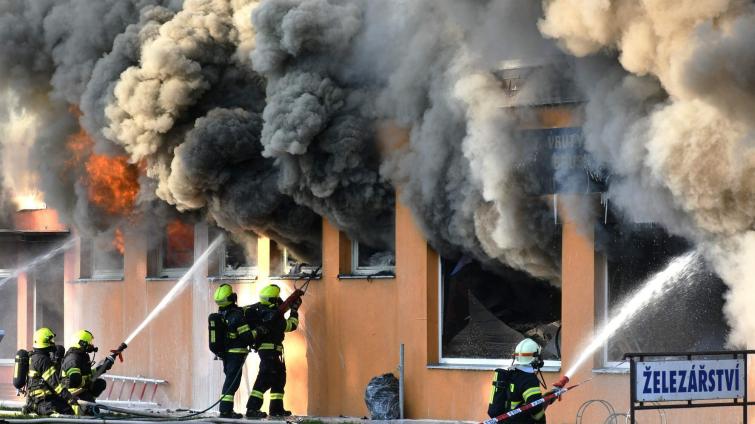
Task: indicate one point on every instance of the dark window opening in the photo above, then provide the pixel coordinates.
(237, 257)
(486, 314)
(634, 253)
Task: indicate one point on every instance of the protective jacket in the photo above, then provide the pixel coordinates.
(239, 334)
(272, 371)
(513, 388)
(276, 324)
(76, 371)
(46, 393)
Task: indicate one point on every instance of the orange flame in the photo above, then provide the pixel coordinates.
(118, 242)
(112, 183)
(180, 244)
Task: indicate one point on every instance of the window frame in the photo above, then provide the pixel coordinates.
(100, 274)
(242, 272)
(366, 270)
(549, 365)
(4, 272)
(603, 315)
(162, 271)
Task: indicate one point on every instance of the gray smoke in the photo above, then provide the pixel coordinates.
(335, 66)
(48, 52)
(675, 125)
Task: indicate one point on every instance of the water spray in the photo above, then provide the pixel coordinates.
(40, 260)
(677, 272)
(177, 288)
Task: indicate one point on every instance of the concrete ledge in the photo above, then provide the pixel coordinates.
(478, 367)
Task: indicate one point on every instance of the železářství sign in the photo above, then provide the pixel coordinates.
(659, 381)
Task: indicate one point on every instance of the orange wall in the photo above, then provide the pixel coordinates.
(350, 331)
(112, 309)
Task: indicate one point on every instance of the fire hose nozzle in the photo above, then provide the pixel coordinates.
(561, 382)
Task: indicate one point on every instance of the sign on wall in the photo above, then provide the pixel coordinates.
(658, 381)
(554, 160)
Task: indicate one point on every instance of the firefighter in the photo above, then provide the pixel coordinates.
(237, 337)
(519, 385)
(76, 368)
(45, 391)
(272, 370)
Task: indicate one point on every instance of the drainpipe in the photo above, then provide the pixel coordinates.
(401, 381)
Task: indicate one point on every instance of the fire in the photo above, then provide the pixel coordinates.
(30, 201)
(112, 182)
(180, 244)
(118, 242)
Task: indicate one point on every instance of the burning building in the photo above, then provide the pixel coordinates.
(465, 173)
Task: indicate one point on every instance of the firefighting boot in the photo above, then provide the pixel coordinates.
(252, 413)
(276, 406)
(232, 415)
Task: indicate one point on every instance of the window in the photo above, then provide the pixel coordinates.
(8, 318)
(284, 264)
(237, 258)
(102, 257)
(485, 314)
(48, 294)
(630, 255)
(177, 250)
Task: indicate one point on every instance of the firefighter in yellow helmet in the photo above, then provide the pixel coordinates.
(77, 368)
(272, 371)
(519, 385)
(45, 391)
(230, 339)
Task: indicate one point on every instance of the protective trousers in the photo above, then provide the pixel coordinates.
(95, 389)
(233, 363)
(272, 376)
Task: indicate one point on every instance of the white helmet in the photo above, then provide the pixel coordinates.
(526, 352)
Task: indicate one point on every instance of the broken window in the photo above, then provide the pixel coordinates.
(278, 259)
(630, 255)
(284, 264)
(237, 258)
(485, 313)
(177, 249)
(101, 257)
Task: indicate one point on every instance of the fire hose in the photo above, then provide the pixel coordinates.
(107, 363)
(298, 293)
(558, 390)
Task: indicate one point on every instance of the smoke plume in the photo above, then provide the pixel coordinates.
(674, 126)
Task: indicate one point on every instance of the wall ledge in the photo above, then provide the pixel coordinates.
(479, 367)
(611, 370)
(97, 280)
(366, 277)
(230, 279)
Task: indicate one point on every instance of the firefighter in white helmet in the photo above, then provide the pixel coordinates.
(519, 385)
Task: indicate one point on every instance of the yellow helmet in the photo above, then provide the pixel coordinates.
(269, 294)
(83, 339)
(224, 295)
(43, 338)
